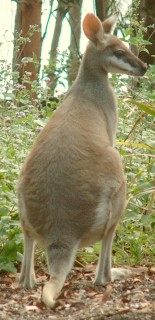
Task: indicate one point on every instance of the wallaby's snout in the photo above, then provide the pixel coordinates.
(139, 67)
(72, 189)
(144, 68)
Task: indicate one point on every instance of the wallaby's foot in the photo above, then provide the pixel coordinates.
(28, 283)
(49, 295)
(100, 280)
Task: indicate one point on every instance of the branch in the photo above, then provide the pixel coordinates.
(47, 23)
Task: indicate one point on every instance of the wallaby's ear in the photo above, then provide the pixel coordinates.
(92, 27)
(110, 22)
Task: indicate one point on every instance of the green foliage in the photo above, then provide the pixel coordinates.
(55, 72)
(20, 123)
(19, 127)
(141, 106)
(135, 236)
(135, 28)
(61, 69)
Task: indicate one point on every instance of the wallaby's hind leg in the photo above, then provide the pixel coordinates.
(103, 273)
(60, 261)
(27, 277)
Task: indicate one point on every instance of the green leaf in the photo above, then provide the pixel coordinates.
(148, 109)
(40, 122)
(136, 144)
(10, 251)
(7, 267)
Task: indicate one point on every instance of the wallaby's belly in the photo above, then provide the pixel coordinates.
(88, 225)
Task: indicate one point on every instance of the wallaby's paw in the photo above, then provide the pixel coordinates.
(120, 273)
(48, 295)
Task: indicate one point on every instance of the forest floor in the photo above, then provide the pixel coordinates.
(132, 299)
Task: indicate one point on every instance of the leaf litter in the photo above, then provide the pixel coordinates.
(131, 298)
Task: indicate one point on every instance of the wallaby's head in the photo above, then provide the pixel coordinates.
(113, 54)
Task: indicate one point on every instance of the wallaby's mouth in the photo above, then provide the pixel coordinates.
(139, 73)
(135, 72)
(141, 69)
(138, 69)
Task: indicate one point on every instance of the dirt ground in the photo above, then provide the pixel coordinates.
(132, 299)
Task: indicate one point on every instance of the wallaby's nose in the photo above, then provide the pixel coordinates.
(144, 68)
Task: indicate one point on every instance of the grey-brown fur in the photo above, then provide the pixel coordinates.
(72, 186)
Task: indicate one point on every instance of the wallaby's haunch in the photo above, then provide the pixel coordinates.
(72, 186)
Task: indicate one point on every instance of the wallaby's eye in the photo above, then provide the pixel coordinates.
(119, 53)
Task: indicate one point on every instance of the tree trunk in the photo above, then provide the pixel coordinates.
(17, 32)
(54, 46)
(30, 16)
(47, 23)
(102, 7)
(147, 12)
(75, 24)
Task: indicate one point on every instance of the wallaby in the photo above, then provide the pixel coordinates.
(72, 189)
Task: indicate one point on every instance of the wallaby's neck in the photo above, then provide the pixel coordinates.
(91, 74)
(92, 83)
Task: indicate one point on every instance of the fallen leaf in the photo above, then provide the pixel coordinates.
(136, 280)
(31, 308)
(107, 293)
(90, 267)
